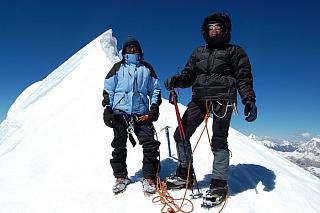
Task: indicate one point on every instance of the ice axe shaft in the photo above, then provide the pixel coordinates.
(168, 139)
(166, 128)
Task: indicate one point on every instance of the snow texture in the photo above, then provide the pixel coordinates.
(55, 151)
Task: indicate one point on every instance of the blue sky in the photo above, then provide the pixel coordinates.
(280, 37)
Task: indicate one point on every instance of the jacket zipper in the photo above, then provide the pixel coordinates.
(208, 71)
(119, 101)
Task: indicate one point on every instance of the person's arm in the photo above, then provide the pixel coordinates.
(243, 74)
(154, 88)
(187, 76)
(110, 83)
(244, 79)
(154, 93)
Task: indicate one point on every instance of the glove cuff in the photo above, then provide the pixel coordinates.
(249, 97)
(252, 100)
(153, 105)
(108, 108)
(249, 100)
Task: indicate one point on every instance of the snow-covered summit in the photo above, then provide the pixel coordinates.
(276, 144)
(317, 139)
(312, 146)
(305, 154)
(61, 92)
(55, 151)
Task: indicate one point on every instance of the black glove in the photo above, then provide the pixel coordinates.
(154, 112)
(108, 117)
(172, 82)
(250, 111)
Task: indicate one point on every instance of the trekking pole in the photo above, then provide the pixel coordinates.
(173, 99)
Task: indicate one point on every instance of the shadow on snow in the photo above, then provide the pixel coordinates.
(242, 177)
(168, 167)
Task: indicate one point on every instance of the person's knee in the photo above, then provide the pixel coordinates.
(219, 144)
(151, 144)
(177, 136)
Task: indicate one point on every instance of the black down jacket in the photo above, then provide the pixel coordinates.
(218, 70)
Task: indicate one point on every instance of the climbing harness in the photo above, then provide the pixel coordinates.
(131, 121)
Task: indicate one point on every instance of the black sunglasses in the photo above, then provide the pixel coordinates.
(130, 49)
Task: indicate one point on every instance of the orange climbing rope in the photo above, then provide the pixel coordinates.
(177, 205)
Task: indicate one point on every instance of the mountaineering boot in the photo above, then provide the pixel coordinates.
(216, 194)
(120, 185)
(148, 186)
(179, 180)
(176, 182)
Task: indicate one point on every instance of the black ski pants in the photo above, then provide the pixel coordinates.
(145, 134)
(191, 119)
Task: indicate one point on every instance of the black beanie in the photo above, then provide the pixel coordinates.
(131, 41)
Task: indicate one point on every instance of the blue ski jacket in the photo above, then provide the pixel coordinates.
(131, 88)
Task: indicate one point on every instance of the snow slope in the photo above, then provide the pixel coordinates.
(55, 151)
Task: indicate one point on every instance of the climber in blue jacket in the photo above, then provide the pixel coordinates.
(131, 98)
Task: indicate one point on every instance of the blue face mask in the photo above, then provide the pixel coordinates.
(132, 58)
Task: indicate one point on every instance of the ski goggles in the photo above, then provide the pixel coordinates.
(215, 26)
(130, 49)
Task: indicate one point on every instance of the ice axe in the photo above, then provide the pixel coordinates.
(174, 99)
(166, 128)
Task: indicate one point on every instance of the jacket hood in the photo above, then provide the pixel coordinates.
(224, 37)
(129, 41)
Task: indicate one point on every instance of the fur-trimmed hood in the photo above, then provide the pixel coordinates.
(224, 37)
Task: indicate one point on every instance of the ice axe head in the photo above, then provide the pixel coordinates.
(172, 96)
(165, 128)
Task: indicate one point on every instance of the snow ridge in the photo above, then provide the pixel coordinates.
(17, 116)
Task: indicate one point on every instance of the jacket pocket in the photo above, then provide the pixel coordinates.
(144, 101)
(118, 99)
(232, 87)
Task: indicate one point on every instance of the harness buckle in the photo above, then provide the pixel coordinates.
(235, 109)
(131, 124)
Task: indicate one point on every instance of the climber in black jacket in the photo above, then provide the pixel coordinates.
(216, 72)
